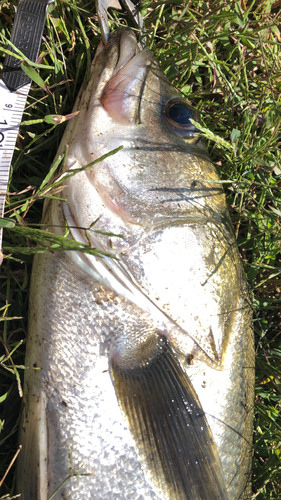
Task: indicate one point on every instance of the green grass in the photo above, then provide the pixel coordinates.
(225, 59)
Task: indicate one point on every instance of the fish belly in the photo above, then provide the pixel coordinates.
(74, 433)
(193, 272)
(72, 424)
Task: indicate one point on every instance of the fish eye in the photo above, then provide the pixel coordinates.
(178, 114)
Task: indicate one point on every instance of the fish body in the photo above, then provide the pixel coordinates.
(145, 386)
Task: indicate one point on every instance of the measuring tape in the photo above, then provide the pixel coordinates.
(15, 84)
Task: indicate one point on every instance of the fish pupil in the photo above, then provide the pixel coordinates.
(180, 114)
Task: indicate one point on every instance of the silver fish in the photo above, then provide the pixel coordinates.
(145, 387)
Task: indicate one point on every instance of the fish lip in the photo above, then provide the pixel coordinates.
(127, 46)
(122, 92)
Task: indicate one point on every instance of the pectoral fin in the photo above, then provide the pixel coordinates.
(168, 424)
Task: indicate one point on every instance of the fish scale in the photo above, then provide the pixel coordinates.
(85, 397)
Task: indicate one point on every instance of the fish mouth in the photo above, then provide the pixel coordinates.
(122, 94)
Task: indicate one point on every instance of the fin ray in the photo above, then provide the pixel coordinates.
(169, 426)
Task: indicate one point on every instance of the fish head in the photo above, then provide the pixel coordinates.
(163, 170)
